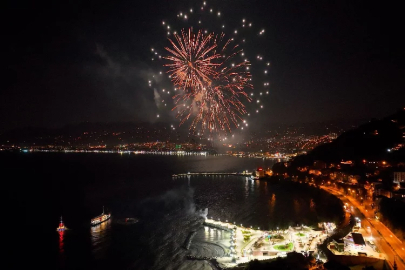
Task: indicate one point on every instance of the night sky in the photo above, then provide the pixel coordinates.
(88, 60)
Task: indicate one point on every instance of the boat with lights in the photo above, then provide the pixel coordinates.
(61, 227)
(100, 219)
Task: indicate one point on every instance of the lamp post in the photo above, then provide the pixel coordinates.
(395, 263)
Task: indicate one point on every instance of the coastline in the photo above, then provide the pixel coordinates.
(238, 258)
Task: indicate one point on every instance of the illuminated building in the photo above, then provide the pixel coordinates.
(260, 172)
(399, 177)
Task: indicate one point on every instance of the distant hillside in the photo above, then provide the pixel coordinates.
(370, 141)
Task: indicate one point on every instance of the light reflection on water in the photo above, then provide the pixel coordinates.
(251, 202)
(61, 243)
(100, 238)
(100, 231)
(213, 235)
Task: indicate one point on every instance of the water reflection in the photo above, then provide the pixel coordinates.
(62, 254)
(61, 243)
(246, 187)
(257, 203)
(312, 205)
(213, 235)
(100, 232)
(272, 203)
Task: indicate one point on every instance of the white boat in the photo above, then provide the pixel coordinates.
(100, 219)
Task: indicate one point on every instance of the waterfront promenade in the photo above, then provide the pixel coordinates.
(248, 244)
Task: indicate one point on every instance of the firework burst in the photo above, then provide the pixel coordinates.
(208, 75)
(211, 86)
(192, 60)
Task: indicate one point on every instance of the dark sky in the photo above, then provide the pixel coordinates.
(88, 60)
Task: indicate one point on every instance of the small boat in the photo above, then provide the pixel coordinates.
(61, 226)
(127, 221)
(131, 220)
(100, 219)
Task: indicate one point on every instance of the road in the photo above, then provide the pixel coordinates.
(385, 240)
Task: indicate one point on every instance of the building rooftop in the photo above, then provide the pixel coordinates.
(358, 239)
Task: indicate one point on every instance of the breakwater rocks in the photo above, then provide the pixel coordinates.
(189, 239)
(211, 260)
(199, 258)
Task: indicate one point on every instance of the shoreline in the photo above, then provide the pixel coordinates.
(140, 152)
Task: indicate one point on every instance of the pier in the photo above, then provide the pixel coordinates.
(247, 174)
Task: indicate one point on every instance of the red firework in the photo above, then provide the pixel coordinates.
(210, 85)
